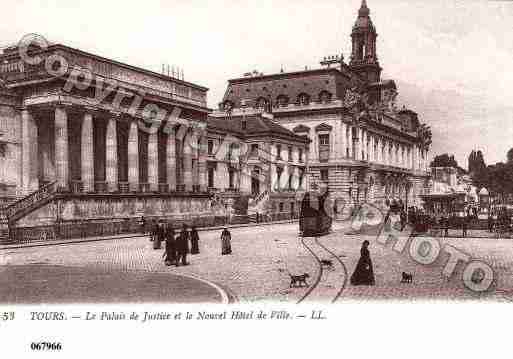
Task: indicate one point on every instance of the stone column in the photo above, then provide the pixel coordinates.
(171, 158)
(111, 155)
(202, 163)
(61, 148)
(187, 158)
(29, 152)
(45, 136)
(273, 177)
(343, 140)
(349, 140)
(133, 156)
(86, 154)
(153, 161)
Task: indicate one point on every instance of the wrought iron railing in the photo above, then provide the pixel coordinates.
(33, 198)
(77, 186)
(144, 187)
(163, 187)
(124, 187)
(100, 187)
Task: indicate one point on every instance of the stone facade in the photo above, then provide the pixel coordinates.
(257, 158)
(363, 148)
(103, 134)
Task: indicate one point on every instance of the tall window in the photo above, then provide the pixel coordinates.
(279, 172)
(278, 152)
(290, 154)
(254, 150)
(210, 148)
(324, 147)
(211, 177)
(290, 182)
(324, 139)
(231, 178)
(300, 155)
(324, 175)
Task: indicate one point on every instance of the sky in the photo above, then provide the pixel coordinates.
(452, 60)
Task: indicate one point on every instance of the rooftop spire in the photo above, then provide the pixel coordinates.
(364, 10)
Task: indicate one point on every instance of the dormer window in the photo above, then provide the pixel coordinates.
(261, 102)
(282, 100)
(325, 97)
(303, 99)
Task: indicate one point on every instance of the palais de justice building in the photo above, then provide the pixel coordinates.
(89, 159)
(362, 147)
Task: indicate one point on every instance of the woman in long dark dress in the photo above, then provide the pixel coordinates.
(170, 252)
(194, 241)
(226, 242)
(363, 274)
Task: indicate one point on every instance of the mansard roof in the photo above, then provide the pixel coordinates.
(256, 125)
(289, 85)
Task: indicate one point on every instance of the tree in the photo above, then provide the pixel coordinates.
(510, 156)
(444, 161)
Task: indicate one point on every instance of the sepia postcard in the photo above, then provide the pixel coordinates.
(195, 177)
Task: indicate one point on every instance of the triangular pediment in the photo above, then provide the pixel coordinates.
(301, 129)
(323, 127)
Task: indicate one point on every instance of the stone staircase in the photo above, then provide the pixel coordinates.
(258, 203)
(23, 206)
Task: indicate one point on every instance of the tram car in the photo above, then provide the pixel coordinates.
(313, 220)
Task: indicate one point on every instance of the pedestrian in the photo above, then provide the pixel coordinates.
(159, 235)
(226, 242)
(170, 251)
(194, 240)
(403, 219)
(445, 225)
(144, 230)
(464, 225)
(363, 273)
(182, 246)
(153, 230)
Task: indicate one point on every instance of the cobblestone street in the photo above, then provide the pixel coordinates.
(129, 270)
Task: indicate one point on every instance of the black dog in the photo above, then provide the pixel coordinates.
(407, 278)
(327, 263)
(298, 280)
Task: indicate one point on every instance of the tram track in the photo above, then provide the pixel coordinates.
(337, 258)
(319, 276)
(329, 279)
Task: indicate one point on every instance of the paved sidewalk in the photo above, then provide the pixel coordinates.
(128, 235)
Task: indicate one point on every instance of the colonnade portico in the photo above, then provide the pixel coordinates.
(87, 150)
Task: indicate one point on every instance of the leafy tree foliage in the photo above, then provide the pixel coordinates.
(444, 161)
(497, 178)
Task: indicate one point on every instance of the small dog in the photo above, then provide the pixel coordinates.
(298, 280)
(407, 278)
(327, 263)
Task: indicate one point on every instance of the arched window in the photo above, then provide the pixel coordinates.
(282, 100)
(303, 99)
(325, 97)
